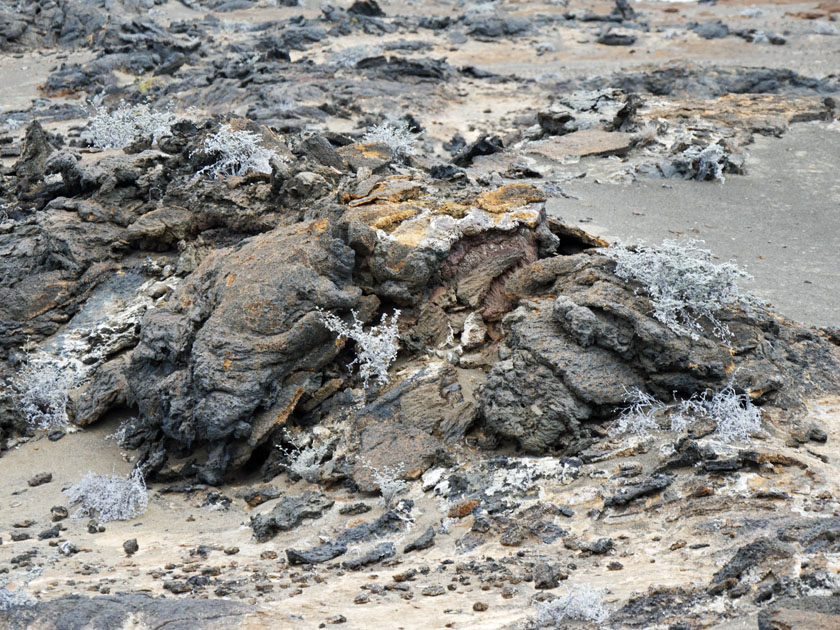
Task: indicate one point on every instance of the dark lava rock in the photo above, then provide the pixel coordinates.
(388, 523)
(608, 109)
(546, 576)
(651, 485)
(399, 67)
(289, 513)
(17, 536)
(40, 479)
(52, 532)
(756, 36)
(426, 540)
(381, 552)
(177, 587)
(131, 547)
(576, 353)
(752, 555)
(485, 145)
(261, 495)
(445, 171)
(113, 611)
(623, 10)
(513, 536)
(616, 39)
(218, 352)
(490, 28)
(319, 149)
(815, 434)
(658, 603)
(93, 527)
(354, 509)
(368, 8)
(316, 555)
(816, 535)
(701, 81)
(711, 30)
(599, 547)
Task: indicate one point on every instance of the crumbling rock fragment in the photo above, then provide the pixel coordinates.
(752, 555)
(316, 555)
(289, 513)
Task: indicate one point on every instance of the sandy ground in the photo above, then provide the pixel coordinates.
(175, 524)
(780, 221)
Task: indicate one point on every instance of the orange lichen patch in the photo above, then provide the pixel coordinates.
(274, 418)
(370, 154)
(507, 198)
(412, 233)
(527, 217)
(373, 150)
(393, 189)
(463, 508)
(386, 216)
(453, 209)
(231, 278)
(227, 363)
(315, 227)
(777, 459)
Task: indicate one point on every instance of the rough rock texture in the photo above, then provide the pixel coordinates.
(289, 513)
(105, 612)
(571, 359)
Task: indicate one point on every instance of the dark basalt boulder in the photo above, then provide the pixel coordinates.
(242, 333)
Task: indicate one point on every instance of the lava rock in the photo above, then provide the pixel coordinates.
(381, 552)
(131, 547)
(289, 513)
(651, 485)
(752, 555)
(611, 38)
(316, 555)
(40, 479)
(425, 541)
(485, 145)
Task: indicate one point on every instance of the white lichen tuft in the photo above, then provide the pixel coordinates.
(396, 135)
(639, 416)
(376, 348)
(304, 462)
(237, 153)
(109, 497)
(42, 385)
(708, 162)
(684, 283)
(581, 603)
(122, 126)
(734, 416)
(388, 480)
(18, 598)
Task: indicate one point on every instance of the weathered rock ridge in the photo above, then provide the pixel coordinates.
(222, 346)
